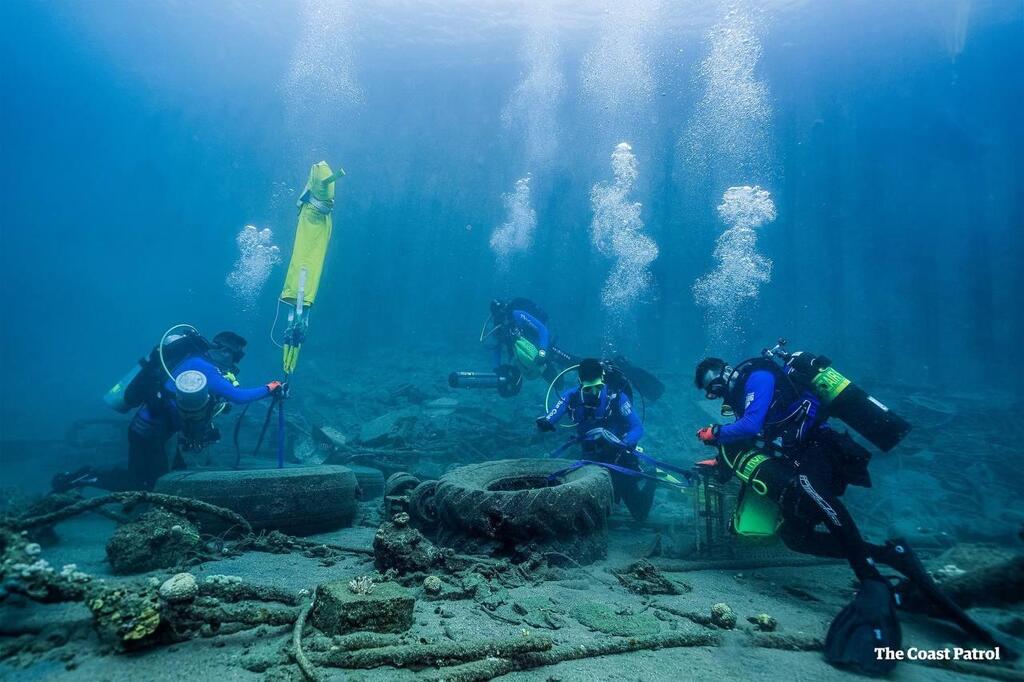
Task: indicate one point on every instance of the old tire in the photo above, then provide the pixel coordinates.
(370, 482)
(295, 500)
(422, 505)
(512, 502)
(400, 483)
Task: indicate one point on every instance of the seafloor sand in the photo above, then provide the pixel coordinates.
(910, 496)
(823, 590)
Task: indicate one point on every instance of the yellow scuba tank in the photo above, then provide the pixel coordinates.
(842, 398)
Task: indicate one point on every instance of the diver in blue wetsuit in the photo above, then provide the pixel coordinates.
(525, 340)
(608, 430)
(781, 440)
(159, 418)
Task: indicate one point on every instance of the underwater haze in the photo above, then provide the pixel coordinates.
(140, 138)
(666, 179)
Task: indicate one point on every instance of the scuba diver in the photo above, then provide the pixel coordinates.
(181, 400)
(523, 332)
(608, 430)
(782, 449)
(518, 328)
(524, 350)
(524, 340)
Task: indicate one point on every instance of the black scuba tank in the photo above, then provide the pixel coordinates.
(506, 379)
(147, 382)
(842, 398)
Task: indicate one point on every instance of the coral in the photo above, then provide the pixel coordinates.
(722, 615)
(181, 587)
(361, 585)
(23, 572)
(763, 622)
(432, 584)
(126, 617)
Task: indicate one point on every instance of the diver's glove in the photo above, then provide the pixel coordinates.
(278, 388)
(709, 435)
(544, 425)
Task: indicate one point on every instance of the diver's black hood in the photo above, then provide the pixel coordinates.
(226, 351)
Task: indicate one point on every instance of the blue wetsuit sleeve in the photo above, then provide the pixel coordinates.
(560, 408)
(635, 429)
(525, 319)
(218, 385)
(757, 396)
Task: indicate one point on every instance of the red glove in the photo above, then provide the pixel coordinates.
(708, 435)
(275, 387)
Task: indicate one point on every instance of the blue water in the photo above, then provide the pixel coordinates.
(138, 139)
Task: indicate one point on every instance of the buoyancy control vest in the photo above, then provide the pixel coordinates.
(794, 412)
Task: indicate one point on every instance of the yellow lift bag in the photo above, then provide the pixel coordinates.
(312, 236)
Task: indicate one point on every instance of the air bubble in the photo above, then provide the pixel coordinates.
(257, 256)
(515, 235)
(741, 270)
(617, 232)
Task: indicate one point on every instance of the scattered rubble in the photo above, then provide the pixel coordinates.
(157, 539)
(643, 577)
(339, 610)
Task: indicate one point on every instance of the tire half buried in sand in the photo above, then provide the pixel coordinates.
(299, 500)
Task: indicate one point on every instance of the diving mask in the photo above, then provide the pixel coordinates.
(592, 388)
(716, 387)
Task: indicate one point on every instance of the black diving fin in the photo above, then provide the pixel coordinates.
(649, 385)
(900, 556)
(869, 622)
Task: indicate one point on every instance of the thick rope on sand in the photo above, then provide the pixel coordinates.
(172, 502)
(300, 657)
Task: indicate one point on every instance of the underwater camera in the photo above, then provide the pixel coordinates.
(843, 399)
(506, 379)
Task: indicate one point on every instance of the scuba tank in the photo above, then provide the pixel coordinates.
(196, 410)
(841, 397)
(115, 397)
(144, 380)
